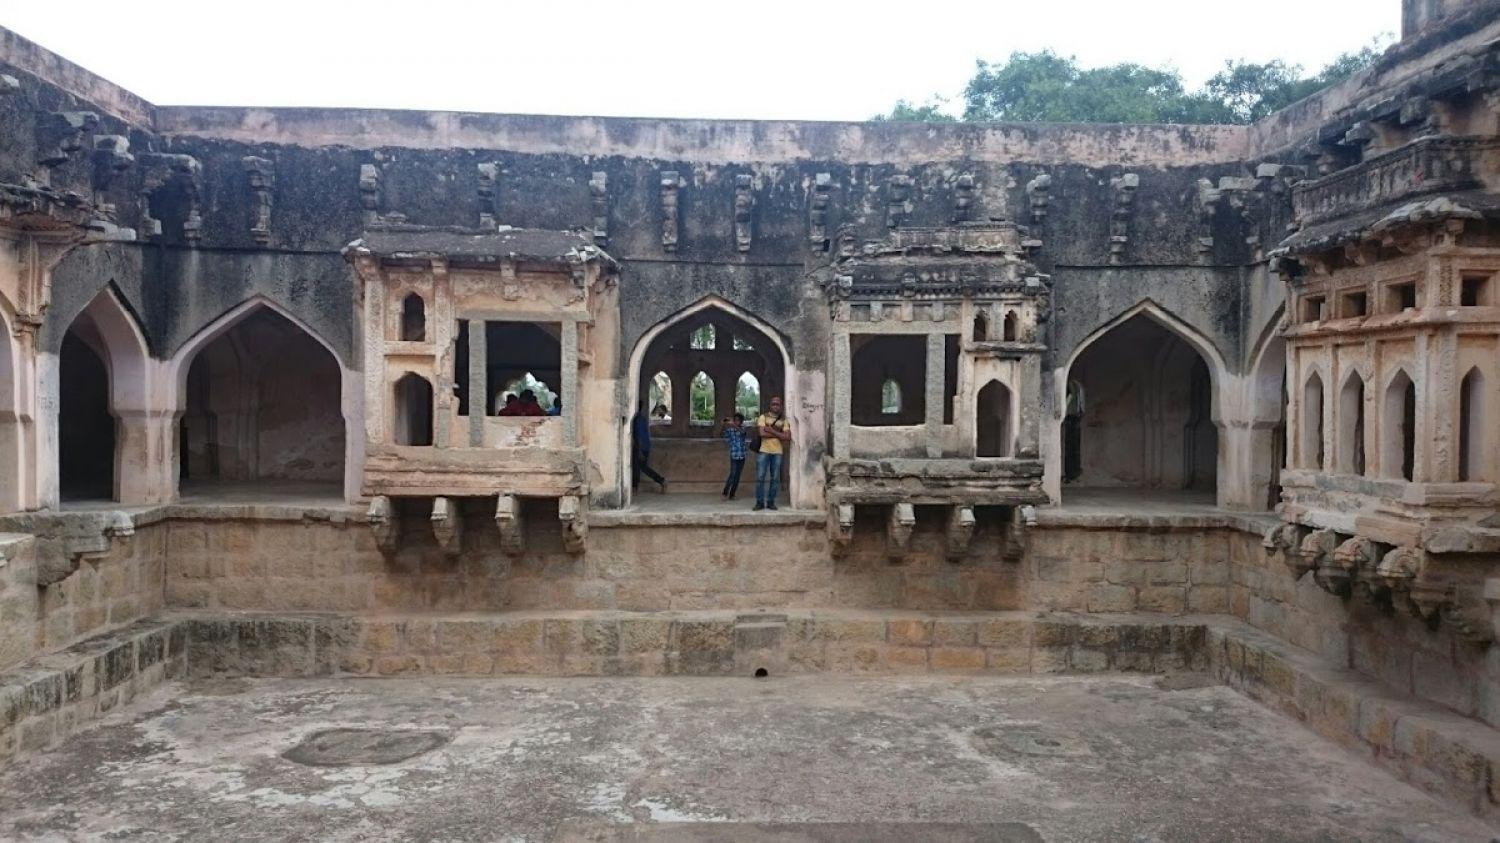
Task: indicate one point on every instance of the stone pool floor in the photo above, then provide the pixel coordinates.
(1116, 758)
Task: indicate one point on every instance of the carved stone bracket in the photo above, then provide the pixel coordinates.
(1398, 569)
(1013, 545)
(960, 532)
(508, 519)
(1316, 548)
(8, 84)
(1039, 198)
(744, 211)
(903, 519)
(671, 185)
(963, 198)
(1473, 619)
(384, 523)
(841, 527)
(489, 194)
(260, 176)
(447, 525)
(817, 213)
(59, 135)
(1124, 189)
(599, 199)
(1338, 571)
(372, 195)
(572, 511)
(111, 158)
(1283, 539)
(898, 201)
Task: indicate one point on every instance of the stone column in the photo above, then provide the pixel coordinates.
(935, 391)
(569, 384)
(479, 398)
(841, 389)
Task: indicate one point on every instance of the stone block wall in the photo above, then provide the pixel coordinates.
(106, 591)
(1160, 571)
(18, 602)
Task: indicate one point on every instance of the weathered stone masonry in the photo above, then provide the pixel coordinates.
(1242, 377)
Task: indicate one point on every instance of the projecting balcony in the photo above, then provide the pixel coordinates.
(1421, 168)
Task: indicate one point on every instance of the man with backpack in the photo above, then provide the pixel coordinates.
(775, 434)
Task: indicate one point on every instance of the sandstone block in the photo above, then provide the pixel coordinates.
(910, 633)
(958, 658)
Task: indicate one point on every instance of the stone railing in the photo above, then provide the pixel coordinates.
(1424, 166)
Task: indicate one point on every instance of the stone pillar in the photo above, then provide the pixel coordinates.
(841, 390)
(143, 454)
(569, 384)
(935, 392)
(479, 397)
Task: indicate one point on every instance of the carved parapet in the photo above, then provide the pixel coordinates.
(744, 209)
(572, 511)
(898, 530)
(960, 531)
(384, 523)
(508, 520)
(1427, 165)
(1316, 547)
(599, 201)
(447, 525)
(59, 135)
(841, 527)
(260, 177)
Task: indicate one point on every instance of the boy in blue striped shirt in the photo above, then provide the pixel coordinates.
(734, 433)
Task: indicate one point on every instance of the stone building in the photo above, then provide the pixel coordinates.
(253, 361)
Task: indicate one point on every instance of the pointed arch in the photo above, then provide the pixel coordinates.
(1473, 442)
(747, 395)
(413, 318)
(412, 410)
(1217, 366)
(1009, 331)
(1349, 449)
(1398, 428)
(349, 398)
(1310, 435)
(994, 420)
(702, 399)
(981, 327)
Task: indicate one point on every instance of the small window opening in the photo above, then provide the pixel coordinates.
(1476, 292)
(413, 318)
(703, 339)
(1352, 426)
(1355, 305)
(762, 673)
(981, 327)
(1399, 424)
(1312, 309)
(413, 422)
(702, 399)
(1471, 444)
(1311, 450)
(741, 344)
(1009, 328)
(659, 398)
(1401, 297)
(747, 395)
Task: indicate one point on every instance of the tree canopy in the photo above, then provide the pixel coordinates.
(1044, 87)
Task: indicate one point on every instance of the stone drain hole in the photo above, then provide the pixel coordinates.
(762, 673)
(351, 747)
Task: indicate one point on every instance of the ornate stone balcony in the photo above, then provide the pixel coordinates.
(1423, 167)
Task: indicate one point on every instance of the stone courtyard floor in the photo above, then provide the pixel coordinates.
(818, 758)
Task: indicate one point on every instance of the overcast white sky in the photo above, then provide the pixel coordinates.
(792, 59)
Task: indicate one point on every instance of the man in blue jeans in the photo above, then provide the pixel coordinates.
(775, 435)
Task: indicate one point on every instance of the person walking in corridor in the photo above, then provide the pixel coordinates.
(640, 452)
(775, 435)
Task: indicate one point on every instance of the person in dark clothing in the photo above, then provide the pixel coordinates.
(734, 434)
(529, 405)
(640, 451)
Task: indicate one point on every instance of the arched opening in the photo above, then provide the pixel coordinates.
(1008, 329)
(86, 429)
(981, 327)
(1351, 439)
(1472, 459)
(534, 397)
(747, 395)
(1072, 433)
(262, 410)
(992, 421)
(702, 399)
(413, 318)
(12, 479)
(412, 410)
(692, 373)
(1268, 437)
(1149, 421)
(659, 398)
(1399, 429)
(890, 397)
(1310, 442)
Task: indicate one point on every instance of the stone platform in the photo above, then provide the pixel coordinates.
(1105, 757)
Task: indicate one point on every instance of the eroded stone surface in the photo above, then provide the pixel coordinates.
(567, 759)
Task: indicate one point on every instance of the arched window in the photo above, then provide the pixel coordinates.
(1399, 429)
(1310, 447)
(702, 399)
(659, 398)
(703, 339)
(413, 318)
(1351, 444)
(1472, 460)
(993, 420)
(1009, 327)
(890, 397)
(543, 393)
(747, 396)
(413, 410)
(981, 327)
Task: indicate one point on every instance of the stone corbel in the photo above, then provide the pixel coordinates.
(1316, 547)
(1473, 619)
(371, 192)
(963, 198)
(1039, 197)
(384, 523)
(59, 135)
(572, 511)
(508, 519)
(488, 189)
(1429, 600)
(744, 210)
(671, 185)
(599, 200)
(898, 201)
(1398, 569)
(960, 532)
(841, 527)
(817, 214)
(1013, 545)
(260, 176)
(898, 530)
(1281, 539)
(1339, 570)
(111, 158)
(1124, 189)
(447, 525)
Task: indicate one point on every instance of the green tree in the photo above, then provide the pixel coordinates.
(1044, 87)
(747, 395)
(701, 397)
